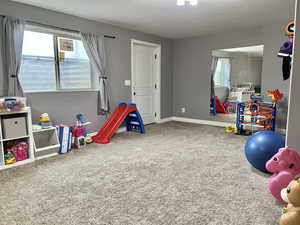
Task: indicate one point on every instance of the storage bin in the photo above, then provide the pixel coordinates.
(14, 127)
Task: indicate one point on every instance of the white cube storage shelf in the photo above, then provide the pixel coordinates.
(16, 126)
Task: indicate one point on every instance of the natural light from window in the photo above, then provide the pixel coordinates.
(52, 62)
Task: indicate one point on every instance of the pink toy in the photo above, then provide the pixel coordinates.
(21, 151)
(285, 165)
(78, 131)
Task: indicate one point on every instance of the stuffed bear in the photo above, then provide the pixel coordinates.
(291, 194)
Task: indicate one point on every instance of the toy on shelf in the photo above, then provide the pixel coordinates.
(284, 166)
(286, 51)
(124, 111)
(16, 151)
(291, 195)
(257, 114)
(21, 151)
(261, 147)
(9, 156)
(80, 132)
(45, 121)
(12, 104)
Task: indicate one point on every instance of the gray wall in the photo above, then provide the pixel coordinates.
(293, 128)
(1, 62)
(245, 68)
(63, 106)
(192, 66)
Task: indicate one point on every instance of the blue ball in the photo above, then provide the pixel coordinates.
(261, 147)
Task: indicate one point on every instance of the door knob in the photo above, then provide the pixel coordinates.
(134, 93)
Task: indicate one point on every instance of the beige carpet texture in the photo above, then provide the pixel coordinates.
(176, 173)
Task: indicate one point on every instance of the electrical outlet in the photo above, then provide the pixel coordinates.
(127, 82)
(183, 110)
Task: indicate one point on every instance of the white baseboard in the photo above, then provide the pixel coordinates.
(195, 121)
(189, 120)
(165, 120)
(203, 122)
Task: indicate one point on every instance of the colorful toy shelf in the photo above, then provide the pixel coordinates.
(15, 127)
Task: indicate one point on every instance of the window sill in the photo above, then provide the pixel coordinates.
(62, 91)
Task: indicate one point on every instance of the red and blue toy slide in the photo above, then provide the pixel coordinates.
(124, 112)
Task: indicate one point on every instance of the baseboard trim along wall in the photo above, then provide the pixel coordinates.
(206, 122)
(195, 121)
(165, 120)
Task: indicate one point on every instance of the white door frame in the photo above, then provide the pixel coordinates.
(157, 75)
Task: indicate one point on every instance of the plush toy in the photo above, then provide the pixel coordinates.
(9, 156)
(285, 165)
(291, 195)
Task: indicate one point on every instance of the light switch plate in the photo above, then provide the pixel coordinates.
(127, 82)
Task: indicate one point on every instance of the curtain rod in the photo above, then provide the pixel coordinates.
(64, 29)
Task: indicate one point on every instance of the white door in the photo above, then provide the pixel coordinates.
(144, 80)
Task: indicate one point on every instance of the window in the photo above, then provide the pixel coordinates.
(54, 61)
(222, 73)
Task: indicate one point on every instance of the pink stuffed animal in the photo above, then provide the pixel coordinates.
(285, 165)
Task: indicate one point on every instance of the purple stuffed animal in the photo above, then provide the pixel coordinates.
(285, 165)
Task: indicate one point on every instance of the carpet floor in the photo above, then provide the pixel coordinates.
(176, 173)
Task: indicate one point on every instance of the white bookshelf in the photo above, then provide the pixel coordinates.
(26, 113)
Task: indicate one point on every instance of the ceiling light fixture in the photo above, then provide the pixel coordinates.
(180, 2)
(191, 2)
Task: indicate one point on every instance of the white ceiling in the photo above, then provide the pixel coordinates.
(257, 50)
(164, 18)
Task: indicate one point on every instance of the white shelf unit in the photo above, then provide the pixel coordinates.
(26, 113)
(46, 142)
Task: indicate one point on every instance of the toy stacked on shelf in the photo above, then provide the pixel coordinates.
(257, 114)
(45, 121)
(12, 104)
(9, 156)
(16, 151)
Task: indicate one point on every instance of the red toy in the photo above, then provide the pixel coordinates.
(220, 107)
(276, 95)
(121, 113)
